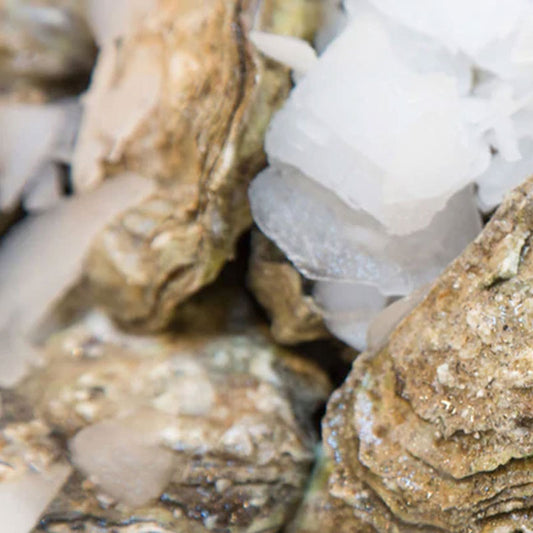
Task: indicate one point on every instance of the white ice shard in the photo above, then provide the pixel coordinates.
(495, 36)
(465, 25)
(382, 324)
(400, 146)
(348, 309)
(42, 258)
(293, 52)
(328, 240)
(334, 19)
(504, 175)
(134, 477)
(46, 191)
(22, 501)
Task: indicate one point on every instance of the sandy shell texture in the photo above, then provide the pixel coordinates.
(432, 432)
(217, 430)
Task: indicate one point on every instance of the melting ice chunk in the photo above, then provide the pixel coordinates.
(295, 53)
(461, 25)
(348, 309)
(503, 176)
(42, 258)
(374, 155)
(29, 137)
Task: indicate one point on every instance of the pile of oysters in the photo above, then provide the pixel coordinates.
(141, 389)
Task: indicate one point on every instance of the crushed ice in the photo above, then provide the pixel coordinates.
(411, 121)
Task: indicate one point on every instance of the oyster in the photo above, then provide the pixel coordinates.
(182, 98)
(319, 512)
(175, 434)
(432, 432)
(46, 48)
(279, 288)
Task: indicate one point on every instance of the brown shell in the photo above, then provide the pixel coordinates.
(436, 426)
(234, 410)
(46, 48)
(209, 100)
(320, 512)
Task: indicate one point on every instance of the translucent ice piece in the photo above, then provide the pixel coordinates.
(461, 25)
(134, 477)
(295, 53)
(29, 134)
(383, 324)
(326, 239)
(22, 501)
(348, 309)
(334, 20)
(42, 257)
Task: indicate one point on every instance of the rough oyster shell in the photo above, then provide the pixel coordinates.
(231, 412)
(432, 432)
(32, 465)
(184, 99)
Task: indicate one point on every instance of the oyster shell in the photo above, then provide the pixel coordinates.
(215, 433)
(46, 48)
(432, 432)
(319, 512)
(26, 443)
(279, 288)
(46, 54)
(182, 98)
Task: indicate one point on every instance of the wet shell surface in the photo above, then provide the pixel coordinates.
(433, 431)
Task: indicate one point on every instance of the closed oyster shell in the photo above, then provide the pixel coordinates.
(232, 413)
(26, 442)
(182, 98)
(432, 430)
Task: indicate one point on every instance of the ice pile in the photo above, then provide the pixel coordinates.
(373, 159)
